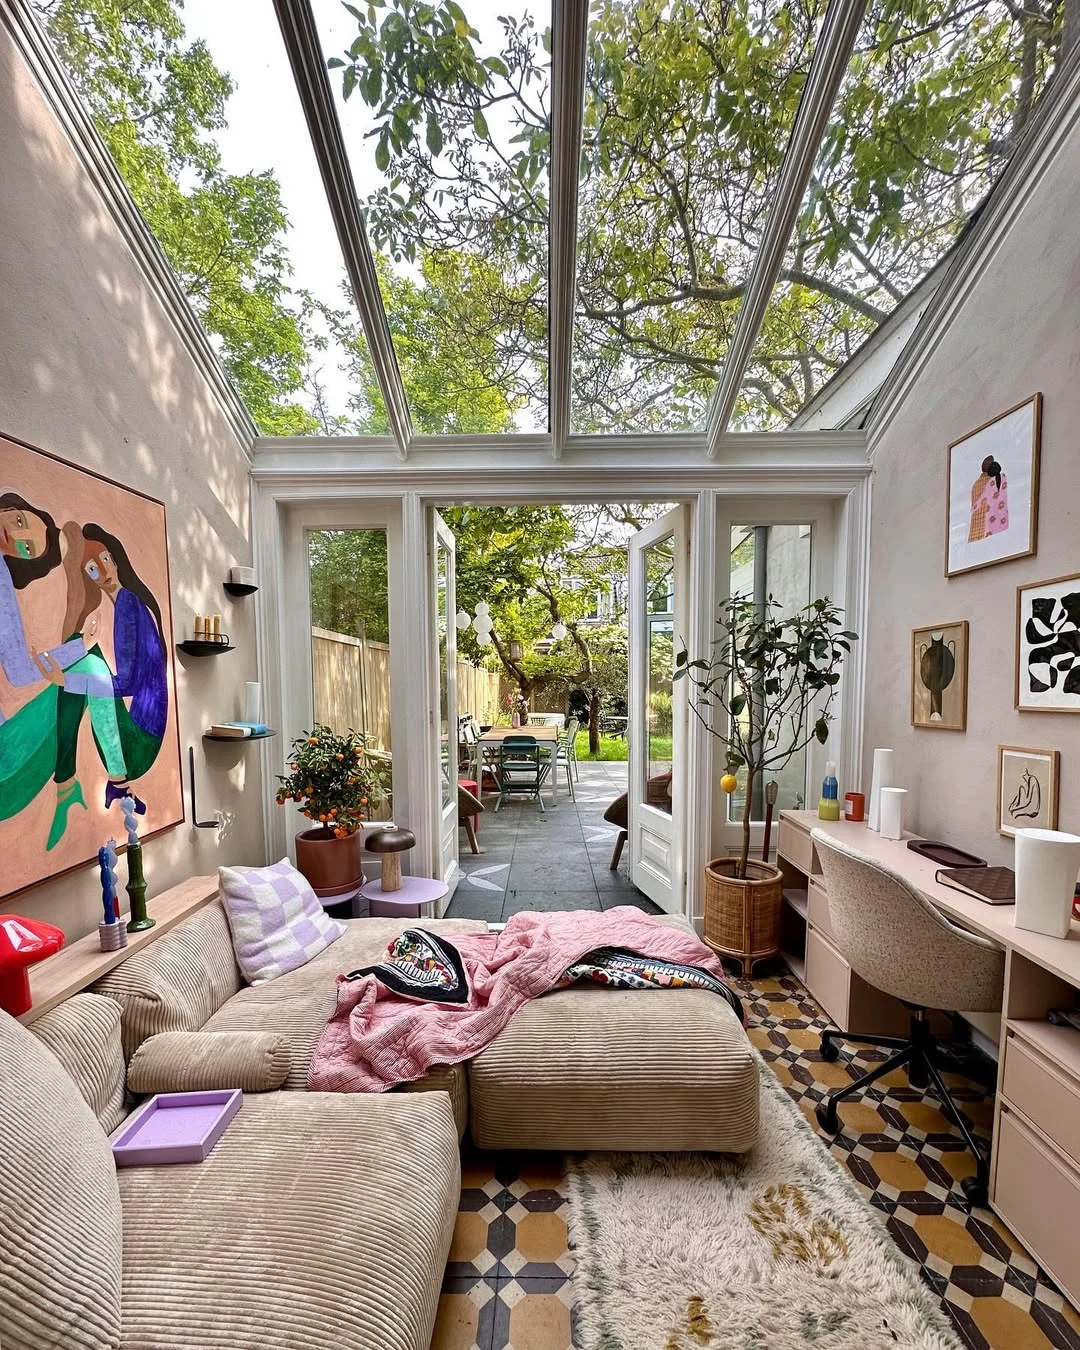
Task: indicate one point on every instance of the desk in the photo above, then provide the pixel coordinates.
(1035, 1156)
(546, 737)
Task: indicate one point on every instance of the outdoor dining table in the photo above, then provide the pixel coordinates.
(546, 737)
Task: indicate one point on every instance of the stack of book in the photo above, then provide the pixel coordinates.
(237, 730)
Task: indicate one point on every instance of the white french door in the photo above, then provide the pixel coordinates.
(659, 625)
(444, 740)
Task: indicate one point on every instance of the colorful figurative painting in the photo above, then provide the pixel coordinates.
(939, 674)
(1048, 645)
(1027, 789)
(87, 696)
(993, 491)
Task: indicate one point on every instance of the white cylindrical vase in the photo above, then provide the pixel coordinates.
(891, 814)
(1047, 865)
(883, 777)
(252, 702)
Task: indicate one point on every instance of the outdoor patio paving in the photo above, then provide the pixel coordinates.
(558, 859)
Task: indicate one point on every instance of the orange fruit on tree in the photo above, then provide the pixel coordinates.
(728, 783)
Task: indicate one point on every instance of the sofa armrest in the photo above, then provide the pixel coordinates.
(201, 1061)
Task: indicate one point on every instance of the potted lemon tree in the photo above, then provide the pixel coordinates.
(337, 785)
(766, 690)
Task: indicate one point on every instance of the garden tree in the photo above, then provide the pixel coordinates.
(688, 107)
(349, 583)
(157, 101)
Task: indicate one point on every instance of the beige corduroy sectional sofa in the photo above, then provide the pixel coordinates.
(319, 1219)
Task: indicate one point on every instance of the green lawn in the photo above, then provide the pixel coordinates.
(614, 748)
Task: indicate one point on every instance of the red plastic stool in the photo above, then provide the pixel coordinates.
(472, 787)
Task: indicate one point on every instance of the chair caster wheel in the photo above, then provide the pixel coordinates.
(827, 1117)
(976, 1191)
(830, 1051)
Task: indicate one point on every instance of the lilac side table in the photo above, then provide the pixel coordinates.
(408, 902)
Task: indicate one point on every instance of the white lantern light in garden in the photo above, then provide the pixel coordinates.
(462, 620)
(483, 608)
(559, 631)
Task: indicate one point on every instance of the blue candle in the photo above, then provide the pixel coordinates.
(108, 885)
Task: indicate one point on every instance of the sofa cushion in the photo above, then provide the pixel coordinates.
(60, 1220)
(318, 1220)
(175, 982)
(203, 1061)
(299, 1005)
(84, 1035)
(593, 1068)
(276, 919)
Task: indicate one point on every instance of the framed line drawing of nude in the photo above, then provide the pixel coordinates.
(992, 491)
(87, 685)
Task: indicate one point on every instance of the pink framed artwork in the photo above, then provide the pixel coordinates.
(87, 685)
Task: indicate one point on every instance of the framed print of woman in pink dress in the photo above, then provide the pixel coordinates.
(992, 486)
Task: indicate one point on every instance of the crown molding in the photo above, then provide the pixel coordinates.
(1054, 121)
(59, 93)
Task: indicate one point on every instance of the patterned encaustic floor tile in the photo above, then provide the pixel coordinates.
(508, 1281)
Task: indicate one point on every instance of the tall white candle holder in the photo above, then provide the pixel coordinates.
(882, 778)
(1047, 865)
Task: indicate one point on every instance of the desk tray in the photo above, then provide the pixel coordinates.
(176, 1127)
(944, 854)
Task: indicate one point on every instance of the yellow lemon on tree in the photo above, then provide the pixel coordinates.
(729, 782)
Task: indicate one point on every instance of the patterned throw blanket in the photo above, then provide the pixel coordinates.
(430, 1001)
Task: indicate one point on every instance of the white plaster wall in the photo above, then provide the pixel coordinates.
(92, 370)
(1018, 333)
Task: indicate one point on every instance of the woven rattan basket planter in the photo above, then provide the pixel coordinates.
(742, 918)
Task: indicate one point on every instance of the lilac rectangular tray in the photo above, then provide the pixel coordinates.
(176, 1127)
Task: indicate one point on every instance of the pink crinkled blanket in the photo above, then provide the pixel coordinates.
(378, 1038)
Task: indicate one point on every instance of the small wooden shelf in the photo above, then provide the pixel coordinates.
(799, 900)
(194, 648)
(240, 740)
(239, 588)
(1059, 1044)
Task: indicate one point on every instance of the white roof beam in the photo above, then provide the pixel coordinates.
(570, 28)
(301, 37)
(831, 57)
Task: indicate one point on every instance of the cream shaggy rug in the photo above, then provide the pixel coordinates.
(773, 1251)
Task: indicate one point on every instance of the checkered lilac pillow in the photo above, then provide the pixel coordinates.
(276, 920)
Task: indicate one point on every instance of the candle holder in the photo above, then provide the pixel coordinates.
(112, 936)
(136, 889)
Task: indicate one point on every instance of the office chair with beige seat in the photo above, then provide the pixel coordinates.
(899, 942)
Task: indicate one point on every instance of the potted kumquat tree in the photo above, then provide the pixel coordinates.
(337, 785)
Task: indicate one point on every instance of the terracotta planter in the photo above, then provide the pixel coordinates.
(331, 865)
(742, 917)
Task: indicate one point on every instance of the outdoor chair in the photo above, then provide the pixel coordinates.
(522, 769)
(469, 807)
(564, 752)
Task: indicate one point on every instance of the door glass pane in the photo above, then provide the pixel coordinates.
(447, 752)
(772, 561)
(350, 638)
(659, 562)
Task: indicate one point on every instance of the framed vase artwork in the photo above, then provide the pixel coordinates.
(1048, 645)
(992, 491)
(1027, 789)
(939, 676)
(87, 687)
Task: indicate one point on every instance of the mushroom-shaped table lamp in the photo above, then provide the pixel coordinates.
(391, 843)
(23, 942)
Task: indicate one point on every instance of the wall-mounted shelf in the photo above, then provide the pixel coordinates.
(195, 648)
(240, 740)
(239, 588)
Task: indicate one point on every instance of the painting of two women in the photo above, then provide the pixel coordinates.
(87, 709)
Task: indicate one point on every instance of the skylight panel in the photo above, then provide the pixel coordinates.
(932, 107)
(196, 103)
(689, 106)
(446, 116)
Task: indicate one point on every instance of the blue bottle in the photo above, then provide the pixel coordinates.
(829, 805)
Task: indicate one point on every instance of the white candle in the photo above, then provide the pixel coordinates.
(892, 812)
(883, 776)
(1047, 865)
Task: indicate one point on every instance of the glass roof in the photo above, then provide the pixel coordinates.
(454, 117)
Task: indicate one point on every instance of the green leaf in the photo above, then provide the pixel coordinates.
(382, 154)
(335, 63)
(480, 125)
(434, 135)
(821, 730)
(348, 81)
(737, 704)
